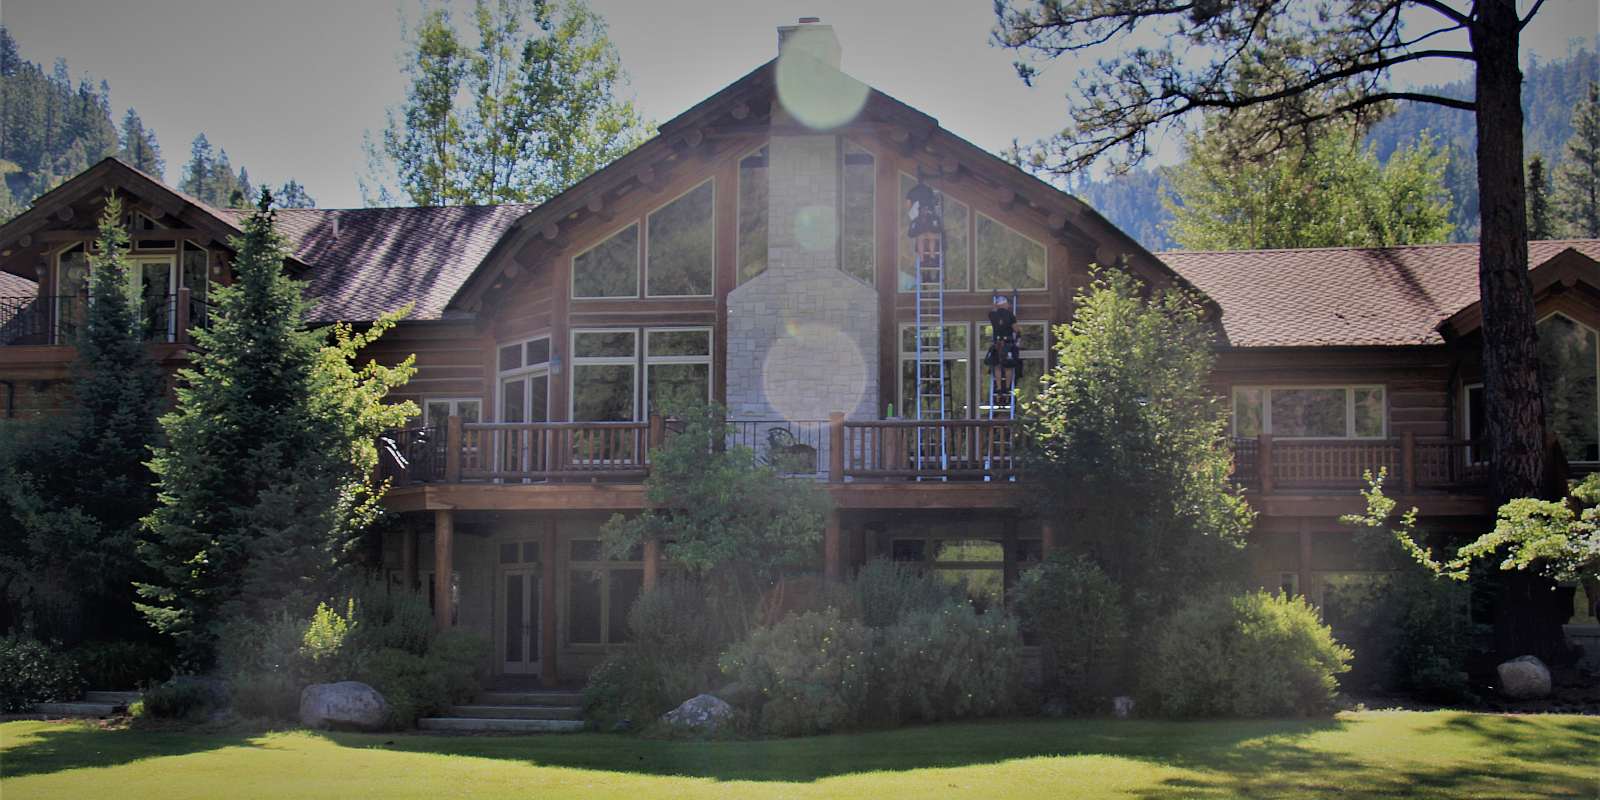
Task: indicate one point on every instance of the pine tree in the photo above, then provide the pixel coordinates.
(139, 146)
(196, 178)
(265, 482)
(76, 489)
(293, 195)
(1539, 222)
(1578, 179)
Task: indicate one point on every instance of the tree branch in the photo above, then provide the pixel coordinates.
(1446, 11)
(1532, 11)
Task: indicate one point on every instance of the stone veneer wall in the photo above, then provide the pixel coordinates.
(803, 335)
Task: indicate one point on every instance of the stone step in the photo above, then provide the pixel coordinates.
(517, 712)
(536, 698)
(114, 698)
(490, 725)
(94, 710)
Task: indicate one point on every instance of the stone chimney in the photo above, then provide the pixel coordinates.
(812, 38)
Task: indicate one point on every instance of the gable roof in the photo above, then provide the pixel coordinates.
(363, 262)
(17, 286)
(1345, 296)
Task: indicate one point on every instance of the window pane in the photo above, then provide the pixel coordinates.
(585, 550)
(1308, 412)
(583, 606)
(530, 552)
(508, 552)
(513, 403)
(611, 269)
(624, 589)
(468, 410)
(753, 215)
(510, 357)
(679, 261)
(969, 550)
(195, 277)
(858, 178)
(955, 390)
(679, 343)
(957, 220)
(514, 616)
(538, 352)
(603, 344)
(1476, 424)
(1247, 412)
(1567, 369)
(1007, 259)
(1369, 412)
(907, 549)
(538, 398)
(602, 393)
(435, 412)
(674, 385)
(1030, 551)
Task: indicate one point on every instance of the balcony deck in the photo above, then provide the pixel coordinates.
(878, 464)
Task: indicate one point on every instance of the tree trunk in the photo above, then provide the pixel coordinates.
(1512, 392)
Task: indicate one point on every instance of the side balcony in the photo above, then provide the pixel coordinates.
(37, 331)
(877, 464)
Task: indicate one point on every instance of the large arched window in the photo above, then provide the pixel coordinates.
(1568, 366)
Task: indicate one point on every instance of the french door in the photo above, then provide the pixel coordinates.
(520, 621)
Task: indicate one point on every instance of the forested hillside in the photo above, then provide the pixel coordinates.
(1551, 90)
(52, 128)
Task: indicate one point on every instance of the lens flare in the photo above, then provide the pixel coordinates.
(816, 228)
(813, 370)
(817, 95)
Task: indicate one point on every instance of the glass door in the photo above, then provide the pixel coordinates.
(520, 603)
(155, 295)
(524, 398)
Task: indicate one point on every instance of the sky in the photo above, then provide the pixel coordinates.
(290, 87)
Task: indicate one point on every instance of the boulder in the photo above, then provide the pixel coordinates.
(1122, 706)
(1524, 678)
(703, 713)
(345, 705)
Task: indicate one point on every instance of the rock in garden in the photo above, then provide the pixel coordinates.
(346, 704)
(1524, 678)
(703, 712)
(1122, 706)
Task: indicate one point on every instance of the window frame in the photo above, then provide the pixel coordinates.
(1474, 455)
(997, 289)
(526, 370)
(1350, 390)
(911, 356)
(648, 360)
(603, 568)
(1591, 329)
(576, 360)
(644, 259)
(902, 242)
(738, 214)
(455, 407)
(845, 144)
(638, 264)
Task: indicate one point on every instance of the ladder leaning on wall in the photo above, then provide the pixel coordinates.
(925, 209)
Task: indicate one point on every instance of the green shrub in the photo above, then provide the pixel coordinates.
(31, 672)
(1411, 632)
(266, 695)
(185, 697)
(417, 685)
(949, 663)
(122, 665)
(625, 687)
(1076, 612)
(888, 591)
(1252, 655)
(808, 673)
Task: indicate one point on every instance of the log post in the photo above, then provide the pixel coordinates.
(1408, 460)
(652, 562)
(836, 447)
(1047, 536)
(408, 558)
(658, 431)
(832, 548)
(1264, 462)
(444, 534)
(180, 316)
(1305, 558)
(452, 450)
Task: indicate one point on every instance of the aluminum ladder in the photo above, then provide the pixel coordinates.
(932, 444)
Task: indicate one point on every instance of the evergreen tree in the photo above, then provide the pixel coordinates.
(1128, 440)
(139, 146)
(1578, 179)
(541, 111)
(1324, 191)
(75, 489)
(265, 481)
(1539, 223)
(197, 173)
(293, 195)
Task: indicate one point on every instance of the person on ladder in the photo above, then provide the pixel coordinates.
(1004, 358)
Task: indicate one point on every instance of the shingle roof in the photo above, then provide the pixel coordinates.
(16, 286)
(1327, 297)
(366, 261)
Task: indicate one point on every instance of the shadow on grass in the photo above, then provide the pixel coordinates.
(75, 745)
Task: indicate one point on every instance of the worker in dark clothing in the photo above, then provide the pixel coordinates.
(1004, 357)
(924, 211)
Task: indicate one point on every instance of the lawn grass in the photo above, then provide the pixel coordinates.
(1367, 754)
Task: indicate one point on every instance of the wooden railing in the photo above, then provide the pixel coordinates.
(842, 451)
(1271, 465)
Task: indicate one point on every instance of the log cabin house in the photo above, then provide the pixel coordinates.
(755, 252)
